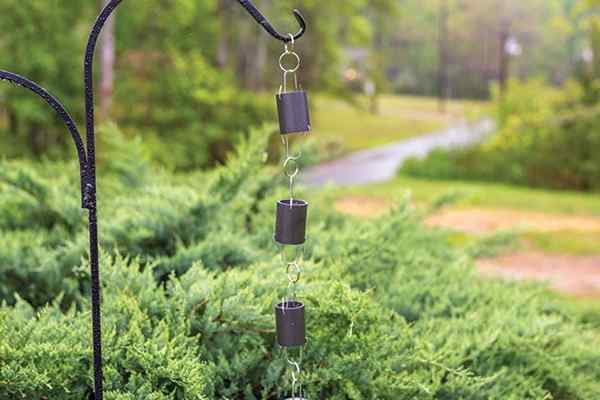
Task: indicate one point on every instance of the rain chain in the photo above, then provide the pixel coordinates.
(290, 224)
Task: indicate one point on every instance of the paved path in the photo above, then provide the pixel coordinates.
(380, 164)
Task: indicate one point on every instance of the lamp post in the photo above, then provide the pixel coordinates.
(87, 155)
(509, 47)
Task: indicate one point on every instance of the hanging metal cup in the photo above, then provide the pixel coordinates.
(290, 224)
(289, 318)
(292, 106)
(293, 112)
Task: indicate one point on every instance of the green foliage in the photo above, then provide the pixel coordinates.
(183, 70)
(493, 244)
(393, 311)
(547, 138)
(547, 30)
(189, 104)
(166, 87)
(41, 45)
(148, 355)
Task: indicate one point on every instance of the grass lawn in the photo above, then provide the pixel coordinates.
(566, 242)
(399, 117)
(478, 194)
(487, 196)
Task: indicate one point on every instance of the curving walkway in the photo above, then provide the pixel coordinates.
(380, 164)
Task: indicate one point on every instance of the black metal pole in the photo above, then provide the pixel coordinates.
(88, 77)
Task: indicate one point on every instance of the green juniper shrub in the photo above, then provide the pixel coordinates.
(148, 354)
(483, 327)
(546, 138)
(190, 275)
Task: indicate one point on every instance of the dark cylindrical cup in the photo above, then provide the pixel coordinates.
(290, 224)
(289, 317)
(294, 116)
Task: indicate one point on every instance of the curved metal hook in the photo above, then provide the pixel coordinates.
(63, 114)
(262, 20)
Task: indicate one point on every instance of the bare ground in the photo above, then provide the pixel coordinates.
(575, 275)
(478, 220)
(363, 206)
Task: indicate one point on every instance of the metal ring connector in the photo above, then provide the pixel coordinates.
(282, 58)
(291, 167)
(293, 272)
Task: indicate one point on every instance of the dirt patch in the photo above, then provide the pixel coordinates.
(478, 220)
(575, 275)
(363, 206)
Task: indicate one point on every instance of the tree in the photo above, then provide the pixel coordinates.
(107, 62)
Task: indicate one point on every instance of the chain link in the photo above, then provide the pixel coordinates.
(296, 372)
(289, 69)
(295, 378)
(293, 274)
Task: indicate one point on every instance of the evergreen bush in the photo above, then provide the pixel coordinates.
(190, 276)
(547, 138)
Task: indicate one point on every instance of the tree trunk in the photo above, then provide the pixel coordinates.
(253, 52)
(443, 79)
(224, 36)
(596, 48)
(37, 142)
(107, 62)
(257, 64)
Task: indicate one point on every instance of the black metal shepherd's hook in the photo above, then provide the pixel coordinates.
(87, 157)
(91, 182)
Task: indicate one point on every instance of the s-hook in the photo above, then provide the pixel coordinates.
(262, 20)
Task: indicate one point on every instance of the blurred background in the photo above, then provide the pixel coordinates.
(487, 109)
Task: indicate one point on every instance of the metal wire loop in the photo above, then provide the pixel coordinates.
(291, 167)
(293, 272)
(299, 254)
(294, 364)
(291, 43)
(286, 142)
(293, 55)
(291, 69)
(295, 378)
